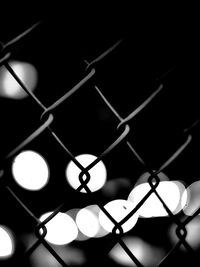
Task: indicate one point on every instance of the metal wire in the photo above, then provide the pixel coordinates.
(154, 180)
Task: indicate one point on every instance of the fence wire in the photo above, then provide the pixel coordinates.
(123, 130)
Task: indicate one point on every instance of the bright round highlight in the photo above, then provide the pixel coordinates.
(30, 170)
(10, 88)
(6, 243)
(72, 213)
(169, 191)
(191, 198)
(118, 209)
(98, 173)
(61, 229)
(87, 222)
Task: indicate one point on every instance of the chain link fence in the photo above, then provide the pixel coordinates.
(153, 130)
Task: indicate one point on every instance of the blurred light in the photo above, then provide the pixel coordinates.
(95, 209)
(72, 213)
(193, 234)
(41, 257)
(30, 170)
(6, 242)
(147, 254)
(73, 256)
(97, 173)
(9, 87)
(118, 209)
(61, 229)
(169, 191)
(115, 186)
(87, 220)
(191, 198)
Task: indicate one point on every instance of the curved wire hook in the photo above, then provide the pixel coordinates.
(69, 93)
(103, 55)
(31, 137)
(141, 107)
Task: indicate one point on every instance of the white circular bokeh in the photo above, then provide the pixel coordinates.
(30, 170)
(6, 242)
(87, 220)
(9, 87)
(170, 192)
(61, 229)
(118, 209)
(191, 198)
(98, 173)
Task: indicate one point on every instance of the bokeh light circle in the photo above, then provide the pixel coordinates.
(191, 198)
(118, 209)
(61, 229)
(9, 87)
(30, 170)
(87, 220)
(153, 207)
(6, 242)
(98, 173)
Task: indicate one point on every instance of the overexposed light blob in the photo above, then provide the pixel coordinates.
(6, 242)
(181, 187)
(87, 220)
(98, 173)
(145, 253)
(118, 209)
(9, 87)
(61, 229)
(170, 192)
(95, 209)
(72, 213)
(193, 234)
(191, 198)
(30, 170)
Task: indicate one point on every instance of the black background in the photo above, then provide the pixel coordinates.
(159, 45)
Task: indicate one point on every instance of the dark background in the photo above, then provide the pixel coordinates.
(159, 45)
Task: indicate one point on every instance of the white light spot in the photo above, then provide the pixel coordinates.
(147, 255)
(61, 229)
(97, 173)
(30, 170)
(9, 87)
(191, 198)
(6, 242)
(87, 220)
(169, 191)
(72, 213)
(118, 209)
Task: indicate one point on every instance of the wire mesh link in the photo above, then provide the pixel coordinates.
(84, 176)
